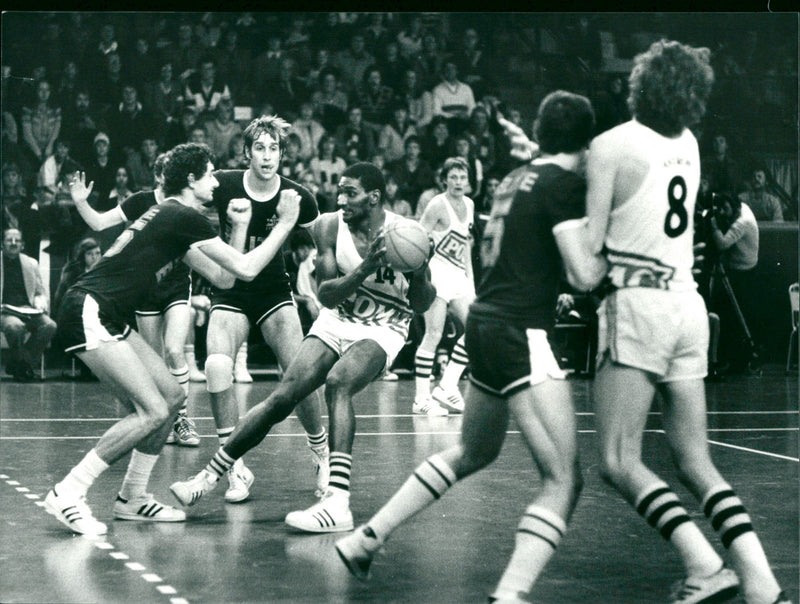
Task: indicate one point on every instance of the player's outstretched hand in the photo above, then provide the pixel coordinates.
(240, 210)
(78, 189)
(376, 254)
(289, 207)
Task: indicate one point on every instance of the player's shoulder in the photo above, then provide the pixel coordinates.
(229, 177)
(288, 183)
(326, 228)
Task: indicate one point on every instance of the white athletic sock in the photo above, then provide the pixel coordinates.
(538, 534)
(429, 482)
(316, 440)
(182, 375)
(423, 367)
(340, 464)
(455, 367)
(191, 360)
(82, 476)
(138, 474)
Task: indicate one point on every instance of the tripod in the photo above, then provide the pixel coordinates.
(718, 273)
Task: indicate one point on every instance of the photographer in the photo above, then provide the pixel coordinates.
(734, 232)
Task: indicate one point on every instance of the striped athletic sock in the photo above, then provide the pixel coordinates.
(538, 534)
(316, 440)
(220, 463)
(662, 510)
(428, 483)
(340, 464)
(223, 434)
(137, 475)
(82, 476)
(732, 522)
(423, 367)
(455, 368)
(182, 375)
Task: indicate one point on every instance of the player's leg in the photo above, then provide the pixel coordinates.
(283, 332)
(447, 393)
(305, 374)
(150, 326)
(424, 358)
(227, 330)
(622, 399)
(684, 418)
(358, 366)
(195, 374)
(177, 324)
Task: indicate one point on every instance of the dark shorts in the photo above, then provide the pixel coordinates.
(505, 358)
(256, 306)
(168, 293)
(82, 325)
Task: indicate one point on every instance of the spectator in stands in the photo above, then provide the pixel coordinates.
(376, 34)
(330, 103)
(308, 180)
(765, 206)
(418, 100)
(464, 149)
(430, 61)
(197, 135)
(309, 130)
(412, 173)
(18, 209)
(142, 63)
(327, 169)
(321, 64)
(410, 37)
(85, 255)
(483, 205)
(234, 63)
(235, 159)
(611, 103)
(78, 39)
(393, 202)
(438, 145)
(375, 99)
(100, 168)
(453, 99)
(51, 49)
(483, 138)
(330, 32)
(392, 137)
(41, 125)
(80, 125)
(108, 83)
(185, 55)
(356, 135)
(178, 129)
(204, 89)
(473, 63)
(289, 91)
(353, 62)
(722, 170)
(68, 85)
(164, 98)
(221, 129)
(292, 165)
(106, 46)
(57, 164)
(296, 41)
(429, 193)
(141, 165)
(267, 67)
(25, 306)
(129, 123)
(393, 67)
(121, 190)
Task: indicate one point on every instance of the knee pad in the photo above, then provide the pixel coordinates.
(219, 372)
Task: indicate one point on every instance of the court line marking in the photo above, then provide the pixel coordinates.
(103, 545)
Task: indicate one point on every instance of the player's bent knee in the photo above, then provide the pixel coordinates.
(219, 372)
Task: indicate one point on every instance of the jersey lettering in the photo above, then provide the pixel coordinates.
(452, 248)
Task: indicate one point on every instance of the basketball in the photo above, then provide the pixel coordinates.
(407, 245)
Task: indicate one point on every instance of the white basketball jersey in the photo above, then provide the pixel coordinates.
(450, 246)
(381, 299)
(649, 237)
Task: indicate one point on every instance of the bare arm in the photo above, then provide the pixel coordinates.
(585, 268)
(600, 175)
(97, 221)
(421, 292)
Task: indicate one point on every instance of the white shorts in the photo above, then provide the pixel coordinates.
(340, 335)
(450, 282)
(662, 332)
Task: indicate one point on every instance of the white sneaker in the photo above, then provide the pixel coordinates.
(389, 376)
(195, 375)
(428, 406)
(185, 432)
(171, 437)
(722, 585)
(146, 508)
(189, 492)
(320, 454)
(241, 375)
(240, 479)
(331, 515)
(357, 551)
(449, 399)
(73, 512)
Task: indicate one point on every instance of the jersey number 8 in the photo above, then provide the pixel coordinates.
(676, 196)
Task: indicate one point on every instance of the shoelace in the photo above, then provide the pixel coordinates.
(185, 426)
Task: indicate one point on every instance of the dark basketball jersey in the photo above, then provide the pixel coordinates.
(521, 264)
(231, 186)
(133, 207)
(145, 253)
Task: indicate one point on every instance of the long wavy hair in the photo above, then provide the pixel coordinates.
(669, 86)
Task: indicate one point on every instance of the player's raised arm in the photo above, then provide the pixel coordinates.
(97, 221)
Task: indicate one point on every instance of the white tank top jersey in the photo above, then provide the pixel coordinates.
(381, 299)
(450, 246)
(649, 238)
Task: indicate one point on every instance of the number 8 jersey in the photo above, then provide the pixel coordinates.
(649, 238)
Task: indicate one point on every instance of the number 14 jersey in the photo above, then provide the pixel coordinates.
(649, 237)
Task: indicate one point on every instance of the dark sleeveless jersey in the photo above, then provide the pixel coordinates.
(521, 263)
(140, 258)
(231, 186)
(137, 204)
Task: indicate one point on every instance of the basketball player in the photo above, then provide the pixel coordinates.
(536, 230)
(448, 217)
(167, 310)
(93, 325)
(363, 325)
(643, 177)
(266, 302)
